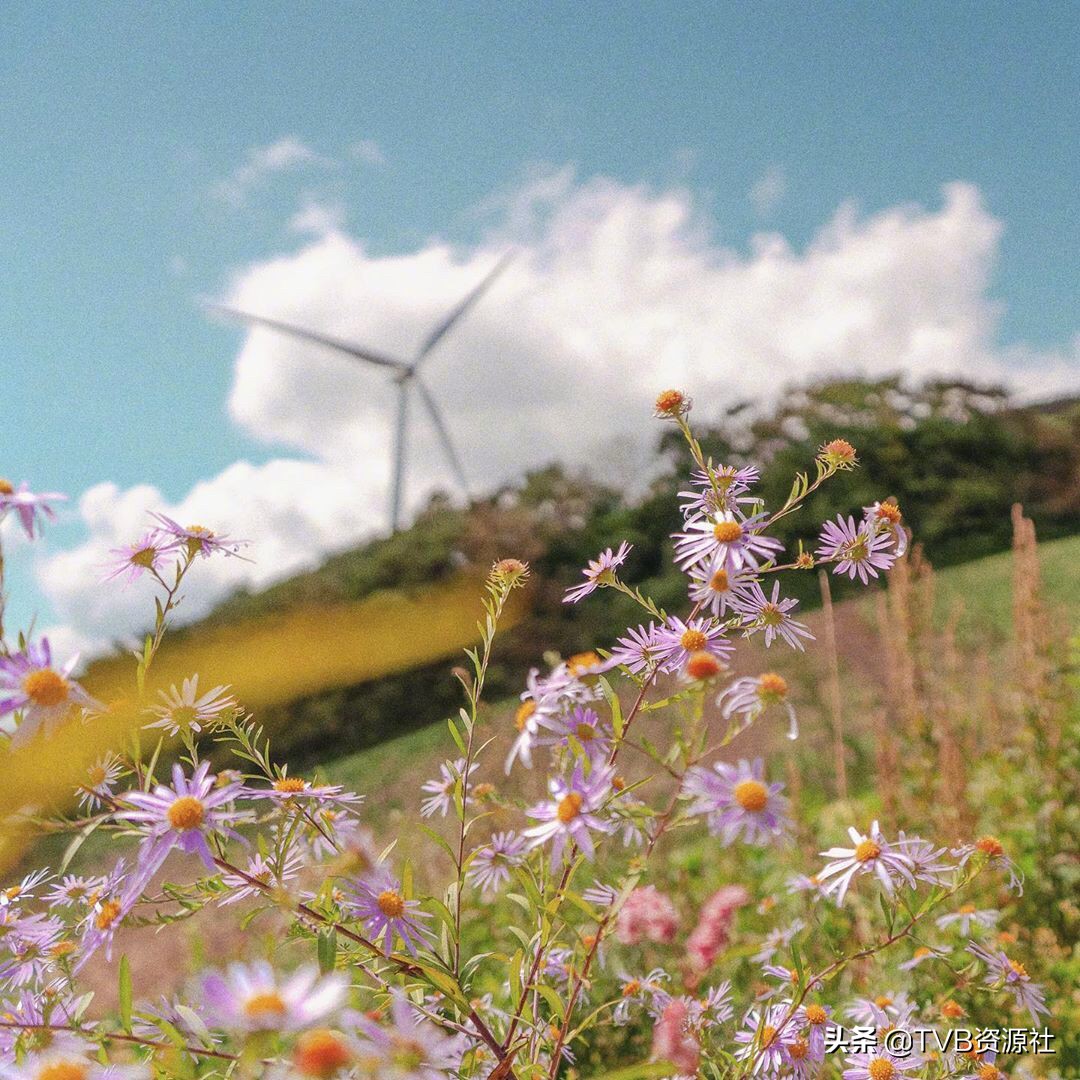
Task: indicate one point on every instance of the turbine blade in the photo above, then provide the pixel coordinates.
(444, 434)
(357, 352)
(440, 331)
(397, 480)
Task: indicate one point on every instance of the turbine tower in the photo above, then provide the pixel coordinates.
(405, 373)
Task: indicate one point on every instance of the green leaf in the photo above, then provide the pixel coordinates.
(125, 993)
(327, 951)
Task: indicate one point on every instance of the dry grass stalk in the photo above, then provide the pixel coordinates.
(832, 688)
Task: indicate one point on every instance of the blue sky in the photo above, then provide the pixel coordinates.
(123, 124)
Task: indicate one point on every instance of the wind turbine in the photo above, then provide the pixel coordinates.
(406, 373)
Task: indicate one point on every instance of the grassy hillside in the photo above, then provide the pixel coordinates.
(394, 770)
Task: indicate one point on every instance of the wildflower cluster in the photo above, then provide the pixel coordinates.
(373, 971)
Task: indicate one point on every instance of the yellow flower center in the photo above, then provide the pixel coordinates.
(585, 732)
(109, 913)
(95, 775)
(771, 685)
(727, 532)
(569, 807)
(143, 557)
(816, 1015)
(1018, 969)
(840, 452)
(45, 687)
(6, 487)
(290, 784)
(62, 948)
(768, 1036)
(582, 662)
(921, 951)
(883, 1002)
(391, 904)
(524, 711)
(966, 909)
(889, 512)
(798, 1049)
(719, 581)
(751, 795)
(866, 851)
(183, 716)
(952, 1010)
(264, 1005)
(988, 1072)
(321, 1053)
(670, 402)
(693, 640)
(68, 1069)
(771, 615)
(881, 1069)
(201, 531)
(702, 665)
(631, 988)
(990, 845)
(186, 813)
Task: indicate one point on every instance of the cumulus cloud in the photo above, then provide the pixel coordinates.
(260, 162)
(616, 292)
(769, 190)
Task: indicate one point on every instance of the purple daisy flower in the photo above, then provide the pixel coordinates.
(771, 615)
(375, 899)
(639, 651)
(749, 697)
(270, 872)
(678, 640)
(572, 812)
(885, 517)
(717, 489)
(1005, 974)
(583, 727)
(100, 779)
(15, 894)
(927, 862)
(181, 816)
(410, 1048)
(297, 790)
(133, 560)
(966, 916)
(856, 550)
(28, 507)
(441, 792)
(197, 539)
(648, 993)
(764, 1038)
(183, 710)
(253, 997)
(111, 902)
(726, 540)
(491, 864)
(73, 890)
(921, 955)
(44, 694)
(778, 939)
(69, 1061)
(737, 801)
(871, 854)
(715, 589)
(599, 572)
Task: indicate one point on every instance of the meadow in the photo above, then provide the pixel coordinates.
(740, 841)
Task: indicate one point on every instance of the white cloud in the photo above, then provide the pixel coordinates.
(769, 190)
(368, 151)
(317, 217)
(617, 292)
(261, 162)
